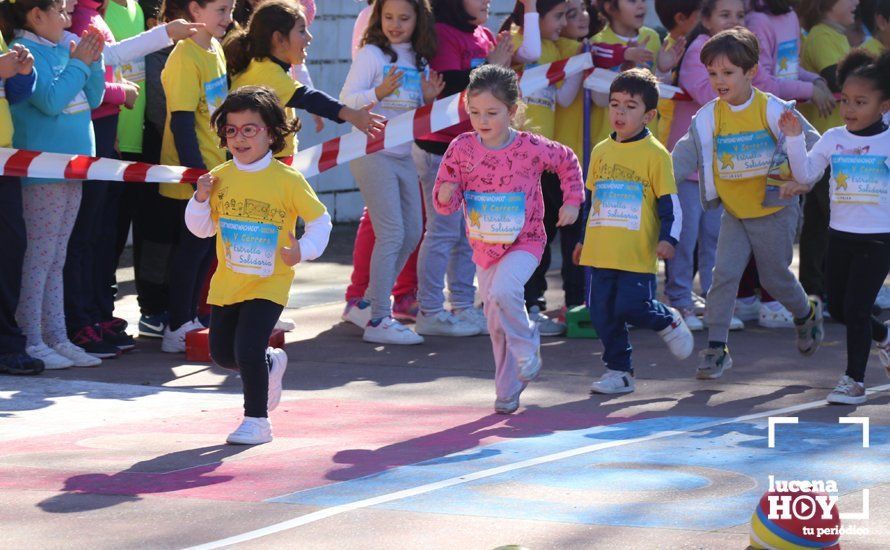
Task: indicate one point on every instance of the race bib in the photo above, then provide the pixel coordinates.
(744, 156)
(134, 71)
(250, 247)
(545, 97)
(215, 93)
(617, 203)
(409, 96)
(788, 59)
(860, 179)
(494, 218)
(477, 62)
(77, 105)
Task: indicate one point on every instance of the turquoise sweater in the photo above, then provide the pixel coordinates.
(56, 118)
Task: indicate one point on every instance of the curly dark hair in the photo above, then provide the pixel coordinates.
(423, 40)
(262, 101)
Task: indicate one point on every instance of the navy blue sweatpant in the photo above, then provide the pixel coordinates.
(617, 298)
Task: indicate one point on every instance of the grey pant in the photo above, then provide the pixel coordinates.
(389, 187)
(445, 248)
(700, 227)
(771, 239)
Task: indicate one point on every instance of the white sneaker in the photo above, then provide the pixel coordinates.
(531, 367)
(884, 350)
(277, 361)
(476, 316)
(699, 304)
(444, 323)
(847, 392)
(252, 431)
(76, 355)
(51, 359)
(357, 312)
(390, 331)
(883, 299)
(677, 336)
(614, 381)
(747, 311)
(546, 325)
(174, 340)
(511, 404)
(736, 324)
(775, 316)
(285, 324)
(692, 321)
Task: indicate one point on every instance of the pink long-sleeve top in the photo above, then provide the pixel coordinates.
(779, 70)
(85, 14)
(693, 77)
(501, 191)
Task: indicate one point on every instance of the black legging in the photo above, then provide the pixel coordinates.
(239, 336)
(857, 266)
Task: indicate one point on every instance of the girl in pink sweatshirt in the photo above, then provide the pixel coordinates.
(495, 173)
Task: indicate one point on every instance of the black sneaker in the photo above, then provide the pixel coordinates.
(20, 364)
(117, 338)
(92, 343)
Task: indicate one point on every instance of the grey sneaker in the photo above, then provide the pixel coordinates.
(474, 315)
(811, 331)
(546, 325)
(713, 362)
(511, 404)
(614, 381)
(444, 323)
(531, 367)
(847, 392)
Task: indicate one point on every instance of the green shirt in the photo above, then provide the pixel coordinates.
(125, 22)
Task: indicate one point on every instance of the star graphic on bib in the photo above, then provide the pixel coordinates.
(726, 161)
(597, 205)
(841, 180)
(783, 63)
(475, 218)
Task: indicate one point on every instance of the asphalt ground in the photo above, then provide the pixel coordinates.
(398, 447)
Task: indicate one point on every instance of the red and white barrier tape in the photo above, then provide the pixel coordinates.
(58, 166)
(600, 80)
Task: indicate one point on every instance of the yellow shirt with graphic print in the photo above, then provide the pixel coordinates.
(569, 127)
(822, 47)
(625, 181)
(194, 80)
(540, 110)
(265, 72)
(253, 213)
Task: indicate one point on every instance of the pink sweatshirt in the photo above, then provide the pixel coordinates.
(693, 78)
(85, 14)
(501, 191)
(780, 73)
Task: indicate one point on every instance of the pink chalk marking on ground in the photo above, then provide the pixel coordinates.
(343, 440)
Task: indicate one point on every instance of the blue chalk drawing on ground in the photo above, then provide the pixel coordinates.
(705, 479)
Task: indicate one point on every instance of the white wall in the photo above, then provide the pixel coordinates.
(329, 60)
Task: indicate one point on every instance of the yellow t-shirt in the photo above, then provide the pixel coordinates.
(253, 213)
(626, 180)
(541, 105)
(194, 80)
(265, 72)
(600, 115)
(744, 148)
(822, 47)
(873, 46)
(569, 128)
(5, 116)
(665, 108)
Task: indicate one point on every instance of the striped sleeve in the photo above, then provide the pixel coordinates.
(671, 217)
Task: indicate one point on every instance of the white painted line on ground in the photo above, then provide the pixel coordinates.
(460, 480)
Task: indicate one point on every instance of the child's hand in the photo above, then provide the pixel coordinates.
(793, 189)
(88, 49)
(664, 250)
(181, 29)
(638, 53)
(668, 58)
(132, 93)
(319, 123)
(390, 84)
(8, 65)
(98, 34)
(823, 99)
(205, 186)
(291, 254)
(503, 51)
(432, 86)
(24, 59)
(363, 119)
(567, 215)
(531, 6)
(789, 124)
(446, 192)
(576, 254)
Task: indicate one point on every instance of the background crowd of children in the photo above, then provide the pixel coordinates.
(143, 81)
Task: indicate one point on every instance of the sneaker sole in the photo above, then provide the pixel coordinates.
(612, 392)
(372, 341)
(447, 335)
(150, 335)
(236, 441)
(845, 400)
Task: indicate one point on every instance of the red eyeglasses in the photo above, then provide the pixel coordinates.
(248, 130)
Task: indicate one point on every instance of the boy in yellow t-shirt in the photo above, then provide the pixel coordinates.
(252, 204)
(735, 144)
(634, 219)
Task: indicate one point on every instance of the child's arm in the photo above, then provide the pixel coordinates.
(197, 212)
(566, 94)
(53, 94)
(181, 80)
(150, 41)
(317, 229)
(530, 49)
(21, 78)
(807, 168)
(315, 237)
(448, 190)
(685, 157)
(670, 214)
(96, 86)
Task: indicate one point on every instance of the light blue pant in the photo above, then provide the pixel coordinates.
(444, 250)
(699, 226)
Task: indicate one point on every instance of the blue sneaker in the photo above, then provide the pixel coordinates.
(152, 326)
